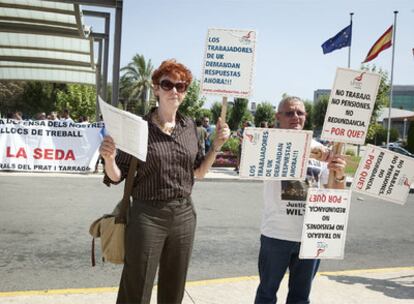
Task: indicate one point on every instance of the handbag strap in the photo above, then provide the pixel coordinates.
(129, 183)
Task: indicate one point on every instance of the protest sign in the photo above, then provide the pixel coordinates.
(384, 174)
(325, 224)
(49, 146)
(275, 154)
(228, 62)
(350, 106)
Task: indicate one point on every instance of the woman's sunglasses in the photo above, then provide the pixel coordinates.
(167, 85)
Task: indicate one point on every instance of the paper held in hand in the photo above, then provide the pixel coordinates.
(275, 154)
(129, 131)
(325, 224)
(385, 175)
(228, 62)
(350, 106)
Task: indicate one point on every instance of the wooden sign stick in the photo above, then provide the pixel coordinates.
(337, 149)
(223, 109)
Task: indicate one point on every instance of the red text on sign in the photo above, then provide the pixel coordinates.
(369, 162)
(363, 175)
(39, 153)
(53, 154)
(322, 198)
(21, 153)
(348, 133)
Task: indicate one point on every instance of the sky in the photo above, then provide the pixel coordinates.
(289, 56)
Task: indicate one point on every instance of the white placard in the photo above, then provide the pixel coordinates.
(384, 174)
(325, 224)
(129, 131)
(228, 62)
(350, 106)
(49, 146)
(275, 154)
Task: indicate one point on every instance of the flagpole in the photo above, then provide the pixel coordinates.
(349, 49)
(338, 146)
(349, 66)
(392, 77)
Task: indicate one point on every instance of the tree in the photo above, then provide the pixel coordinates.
(248, 116)
(380, 134)
(136, 83)
(238, 112)
(264, 112)
(37, 97)
(10, 96)
(309, 115)
(216, 111)
(78, 99)
(125, 88)
(382, 100)
(30, 97)
(319, 111)
(192, 103)
(383, 96)
(203, 113)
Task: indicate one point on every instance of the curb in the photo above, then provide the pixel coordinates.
(343, 286)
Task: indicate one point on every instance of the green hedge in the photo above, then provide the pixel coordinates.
(232, 145)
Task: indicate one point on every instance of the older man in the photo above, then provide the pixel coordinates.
(284, 208)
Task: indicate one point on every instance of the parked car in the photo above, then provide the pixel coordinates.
(395, 144)
(398, 149)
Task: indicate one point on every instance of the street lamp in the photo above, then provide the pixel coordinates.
(405, 129)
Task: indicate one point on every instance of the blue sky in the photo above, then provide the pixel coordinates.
(289, 57)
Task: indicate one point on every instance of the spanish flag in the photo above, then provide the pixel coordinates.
(383, 43)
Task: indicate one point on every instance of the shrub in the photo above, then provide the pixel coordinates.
(380, 135)
(232, 145)
(350, 152)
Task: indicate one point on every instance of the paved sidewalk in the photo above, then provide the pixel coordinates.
(375, 286)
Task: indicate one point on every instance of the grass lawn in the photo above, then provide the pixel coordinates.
(352, 165)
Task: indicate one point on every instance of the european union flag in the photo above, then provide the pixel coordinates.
(340, 40)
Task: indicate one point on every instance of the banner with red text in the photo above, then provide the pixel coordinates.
(49, 146)
(325, 224)
(385, 175)
(350, 106)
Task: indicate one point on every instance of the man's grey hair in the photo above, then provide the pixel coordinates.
(286, 100)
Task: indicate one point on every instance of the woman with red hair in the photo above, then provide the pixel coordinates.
(161, 226)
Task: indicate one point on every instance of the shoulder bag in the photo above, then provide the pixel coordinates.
(110, 228)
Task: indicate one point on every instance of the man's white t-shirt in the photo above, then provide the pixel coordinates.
(284, 202)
